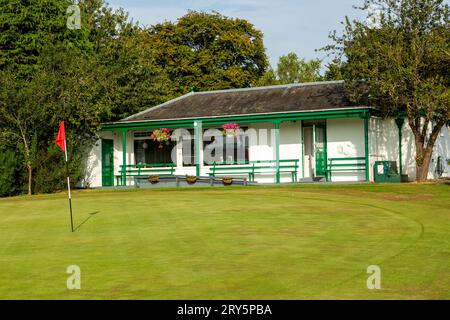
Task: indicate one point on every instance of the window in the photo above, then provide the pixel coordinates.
(227, 150)
(188, 149)
(147, 151)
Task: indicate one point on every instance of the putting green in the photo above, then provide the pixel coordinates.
(237, 243)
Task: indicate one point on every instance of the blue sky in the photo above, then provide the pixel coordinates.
(299, 26)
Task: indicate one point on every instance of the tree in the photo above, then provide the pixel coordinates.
(269, 78)
(292, 69)
(48, 73)
(131, 79)
(400, 59)
(9, 176)
(334, 71)
(27, 30)
(109, 69)
(209, 51)
(28, 27)
(19, 118)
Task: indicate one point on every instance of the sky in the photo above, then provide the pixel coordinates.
(299, 26)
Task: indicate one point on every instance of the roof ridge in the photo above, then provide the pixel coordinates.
(278, 86)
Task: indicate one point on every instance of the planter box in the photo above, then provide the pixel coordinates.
(180, 181)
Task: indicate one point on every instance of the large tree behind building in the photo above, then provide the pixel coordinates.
(28, 27)
(292, 69)
(401, 55)
(205, 51)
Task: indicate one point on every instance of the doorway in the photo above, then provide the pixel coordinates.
(315, 148)
(107, 163)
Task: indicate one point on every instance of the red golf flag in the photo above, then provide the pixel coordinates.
(61, 142)
(61, 138)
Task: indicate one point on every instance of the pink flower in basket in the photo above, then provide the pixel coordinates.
(231, 129)
(162, 135)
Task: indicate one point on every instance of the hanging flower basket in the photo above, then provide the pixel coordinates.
(162, 136)
(231, 130)
(191, 179)
(153, 179)
(227, 181)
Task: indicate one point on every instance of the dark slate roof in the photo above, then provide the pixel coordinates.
(317, 96)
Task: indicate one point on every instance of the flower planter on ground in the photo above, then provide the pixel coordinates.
(191, 179)
(153, 179)
(227, 181)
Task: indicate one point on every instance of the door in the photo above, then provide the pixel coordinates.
(308, 156)
(320, 148)
(107, 163)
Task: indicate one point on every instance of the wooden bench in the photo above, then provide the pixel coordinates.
(345, 165)
(139, 170)
(252, 168)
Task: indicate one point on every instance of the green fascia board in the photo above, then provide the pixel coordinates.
(274, 118)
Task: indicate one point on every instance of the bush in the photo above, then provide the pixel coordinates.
(51, 174)
(9, 173)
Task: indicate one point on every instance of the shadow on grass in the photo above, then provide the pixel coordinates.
(86, 220)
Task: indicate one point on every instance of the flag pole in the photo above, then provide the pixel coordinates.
(68, 183)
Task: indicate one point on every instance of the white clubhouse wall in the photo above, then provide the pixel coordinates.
(94, 162)
(384, 146)
(93, 168)
(291, 146)
(442, 148)
(346, 140)
(262, 146)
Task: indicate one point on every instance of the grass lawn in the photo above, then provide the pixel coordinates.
(288, 242)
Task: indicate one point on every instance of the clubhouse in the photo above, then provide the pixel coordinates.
(278, 134)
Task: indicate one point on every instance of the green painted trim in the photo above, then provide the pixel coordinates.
(277, 150)
(303, 150)
(400, 160)
(366, 146)
(325, 147)
(318, 150)
(355, 166)
(314, 151)
(111, 152)
(352, 113)
(347, 158)
(124, 156)
(149, 165)
(400, 122)
(147, 125)
(197, 130)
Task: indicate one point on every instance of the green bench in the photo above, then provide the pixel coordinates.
(345, 165)
(138, 170)
(252, 168)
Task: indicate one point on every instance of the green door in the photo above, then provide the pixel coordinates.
(107, 163)
(320, 150)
